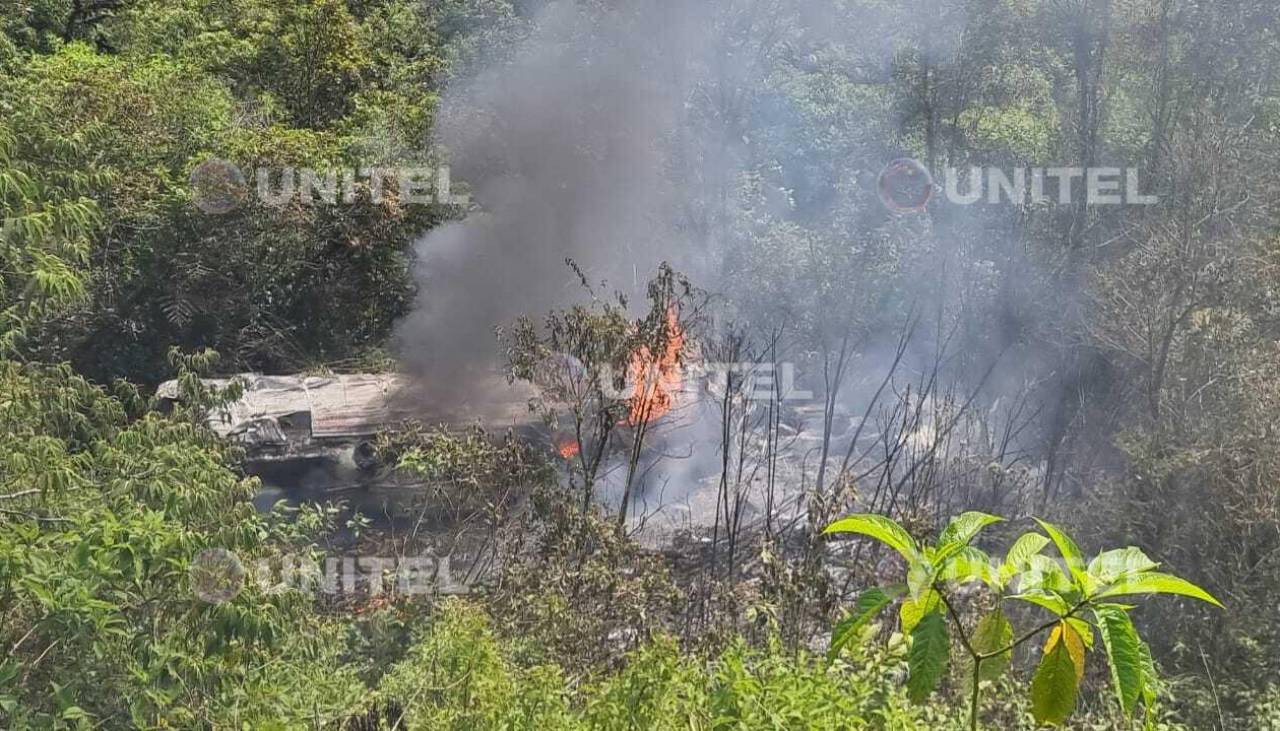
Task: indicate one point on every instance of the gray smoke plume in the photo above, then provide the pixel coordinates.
(569, 145)
(683, 131)
(741, 141)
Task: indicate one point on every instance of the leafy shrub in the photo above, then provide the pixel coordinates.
(461, 675)
(101, 514)
(1070, 591)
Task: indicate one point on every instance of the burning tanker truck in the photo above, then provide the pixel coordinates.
(320, 429)
(306, 436)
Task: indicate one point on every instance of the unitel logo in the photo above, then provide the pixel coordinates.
(217, 575)
(217, 187)
(905, 186)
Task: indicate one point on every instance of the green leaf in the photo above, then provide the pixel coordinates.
(1124, 655)
(1110, 565)
(961, 530)
(1053, 689)
(865, 608)
(1153, 582)
(1027, 545)
(880, 528)
(1045, 574)
(1084, 629)
(969, 564)
(1150, 678)
(927, 661)
(1067, 547)
(1065, 634)
(993, 633)
(920, 576)
(1046, 600)
(913, 610)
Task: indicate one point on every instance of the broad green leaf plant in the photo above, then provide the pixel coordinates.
(1083, 600)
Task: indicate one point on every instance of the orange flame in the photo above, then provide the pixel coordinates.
(568, 448)
(657, 379)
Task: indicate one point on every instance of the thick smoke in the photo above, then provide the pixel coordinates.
(686, 132)
(569, 147)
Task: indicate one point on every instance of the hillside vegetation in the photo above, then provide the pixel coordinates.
(1110, 368)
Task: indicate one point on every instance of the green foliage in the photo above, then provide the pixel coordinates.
(1021, 131)
(460, 674)
(467, 472)
(1029, 576)
(47, 224)
(457, 676)
(106, 107)
(1124, 655)
(993, 639)
(102, 242)
(930, 652)
(865, 608)
(914, 610)
(880, 528)
(574, 591)
(1054, 687)
(1150, 582)
(102, 513)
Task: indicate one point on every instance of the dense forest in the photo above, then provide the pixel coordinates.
(725, 392)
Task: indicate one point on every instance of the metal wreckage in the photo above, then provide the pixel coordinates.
(317, 432)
